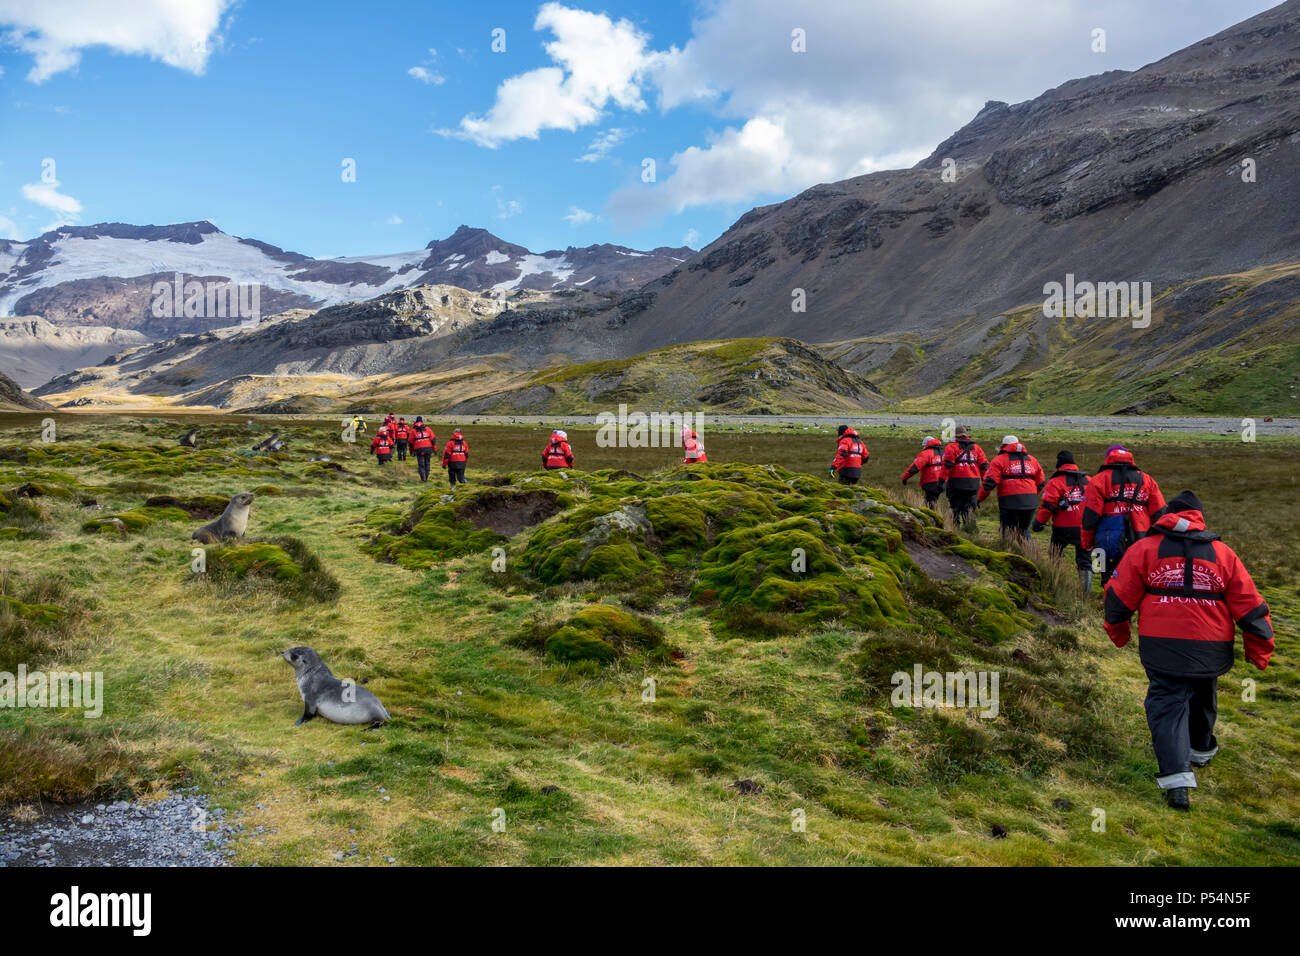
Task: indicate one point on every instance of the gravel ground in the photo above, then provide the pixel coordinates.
(168, 832)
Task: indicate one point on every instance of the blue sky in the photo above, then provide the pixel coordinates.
(243, 113)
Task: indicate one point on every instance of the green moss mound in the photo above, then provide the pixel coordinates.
(763, 550)
(133, 521)
(282, 566)
(442, 525)
(600, 633)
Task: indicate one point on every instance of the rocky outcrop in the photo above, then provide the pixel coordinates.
(33, 351)
(13, 398)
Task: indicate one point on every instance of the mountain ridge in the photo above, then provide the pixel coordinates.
(104, 274)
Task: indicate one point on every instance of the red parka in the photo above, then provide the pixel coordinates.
(423, 439)
(928, 464)
(1119, 488)
(1190, 592)
(1063, 497)
(1016, 475)
(965, 464)
(456, 449)
(851, 451)
(558, 454)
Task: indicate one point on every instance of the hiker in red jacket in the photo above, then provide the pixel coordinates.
(1019, 478)
(402, 438)
(929, 465)
(850, 455)
(964, 465)
(692, 448)
(1119, 507)
(382, 446)
(1190, 592)
(558, 454)
(1062, 508)
(424, 444)
(454, 456)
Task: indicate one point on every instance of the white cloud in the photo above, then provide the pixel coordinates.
(66, 209)
(394, 220)
(879, 86)
(603, 143)
(426, 76)
(508, 207)
(599, 62)
(8, 228)
(180, 33)
(577, 216)
(691, 238)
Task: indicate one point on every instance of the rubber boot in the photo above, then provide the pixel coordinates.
(1178, 799)
(1085, 579)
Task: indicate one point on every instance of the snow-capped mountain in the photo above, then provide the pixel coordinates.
(104, 275)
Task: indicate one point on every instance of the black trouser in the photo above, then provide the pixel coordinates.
(849, 476)
(384, 457)
(962, 503)
(1181, 712)
(1015, 520)
(401, 450)
(932, 490)
(422, 462)
(1064, 537)
(455, 473)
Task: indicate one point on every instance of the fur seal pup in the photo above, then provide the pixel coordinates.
(324, 695)
(232, 523)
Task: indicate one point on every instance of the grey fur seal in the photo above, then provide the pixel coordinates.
(324, 695)
(232, 523)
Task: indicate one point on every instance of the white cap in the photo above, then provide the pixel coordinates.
(927, 439)
(560, 434)
(1010, 440)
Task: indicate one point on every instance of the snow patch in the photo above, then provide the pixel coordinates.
(217, 254)
(532, 264)
(494, 258)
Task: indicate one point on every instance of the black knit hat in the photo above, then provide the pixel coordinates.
(841, 430)
(1064, 458)
(1186, 501)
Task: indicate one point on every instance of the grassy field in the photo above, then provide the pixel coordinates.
(763, 711)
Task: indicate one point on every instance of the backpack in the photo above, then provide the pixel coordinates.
(1115, 532)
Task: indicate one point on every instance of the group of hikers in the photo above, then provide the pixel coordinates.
(395, 437)
(1190, 590)
(1106, 511)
